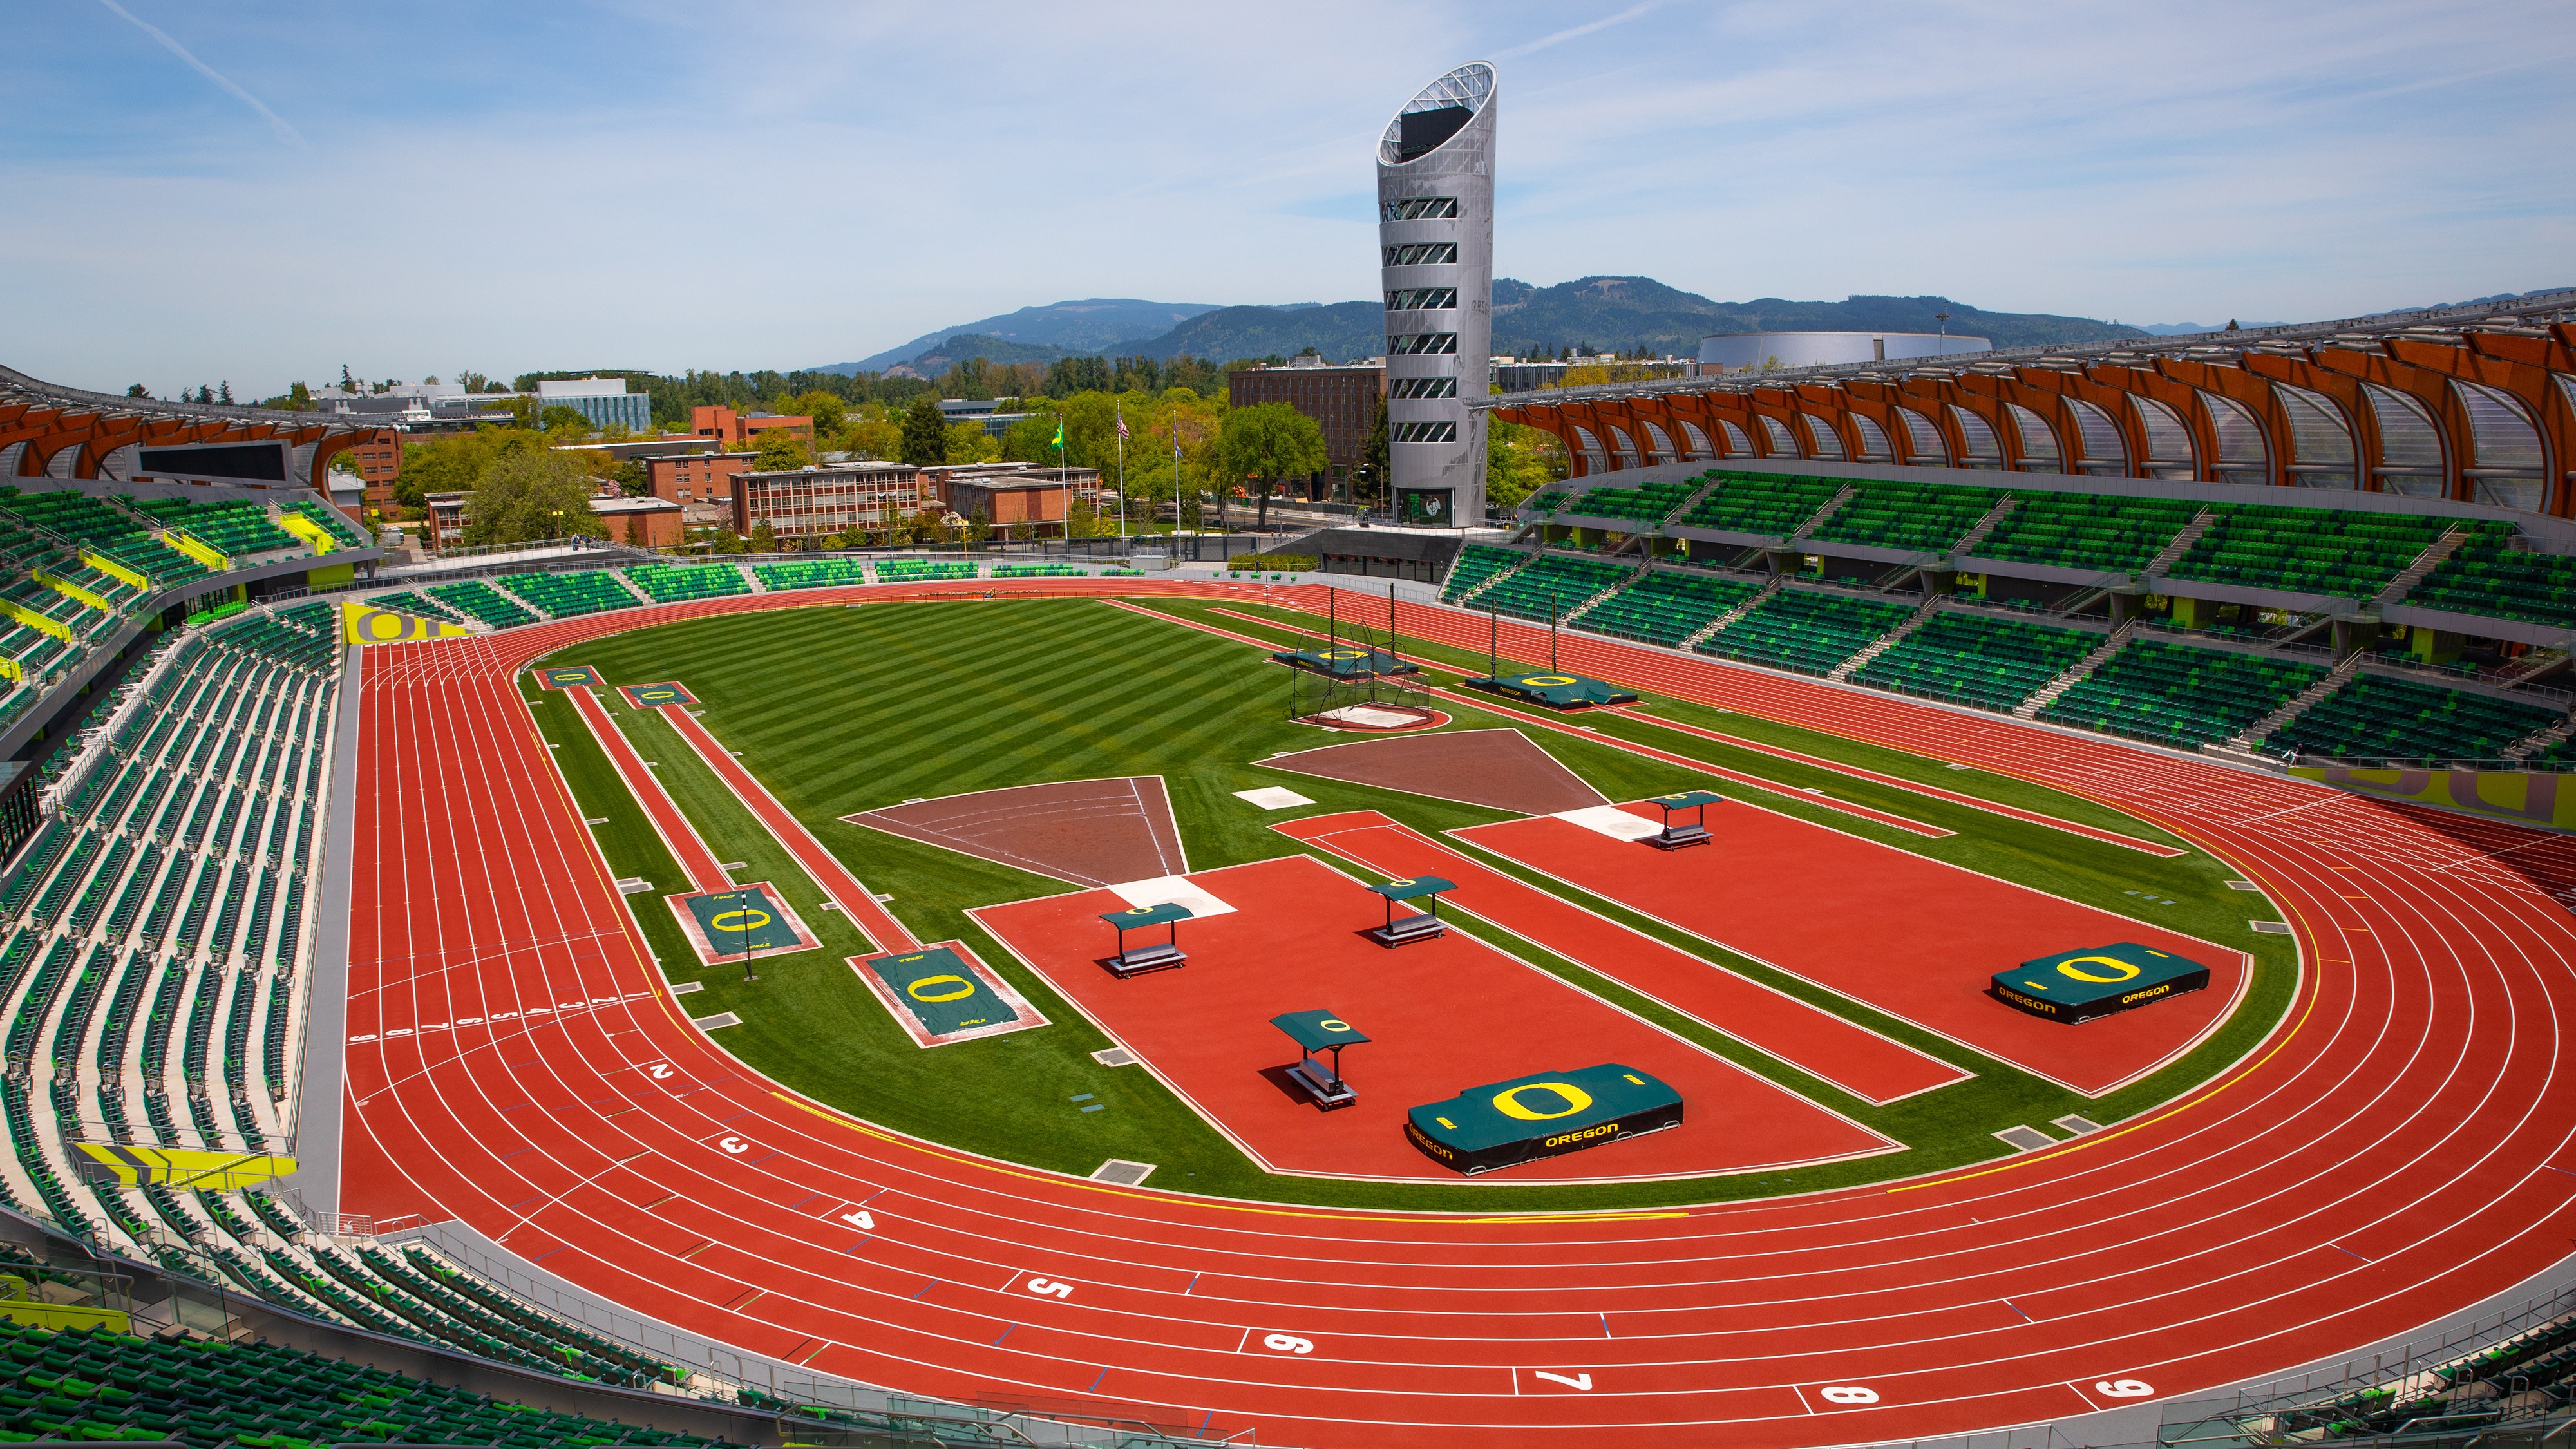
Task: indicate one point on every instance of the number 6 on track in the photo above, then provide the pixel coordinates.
(1849, 1394)
(1287, 1343)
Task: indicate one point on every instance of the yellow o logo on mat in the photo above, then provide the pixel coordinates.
(1508, 1102)
(965, 988)
(1549, 680)
(743, 920)
(2127, 971)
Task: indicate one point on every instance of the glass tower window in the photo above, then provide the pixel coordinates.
(1422, 299)
(1422, 254)
(1419, 208)
(1422, 344)
(1413, 387)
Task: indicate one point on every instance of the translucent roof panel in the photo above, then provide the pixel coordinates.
(1829, 444)
(1921, 438)
(1699, 447)
(2318, 432)
(1737, 445)
(2501, 430)
(1659, 442)
(2100, 435)
(1873, 438)
(2038, 440)
(1778, 433)
(2168, 441)
(2407, 435)
(1445, 106)
(2240, 437)
(1981, 438)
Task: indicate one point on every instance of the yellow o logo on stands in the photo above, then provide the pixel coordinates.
(965, 988)
(1508, 1102)
(2127, 971)
(743, 920)
(384, 628)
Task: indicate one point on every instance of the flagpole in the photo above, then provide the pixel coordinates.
(1122, 468)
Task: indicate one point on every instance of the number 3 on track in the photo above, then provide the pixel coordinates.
(1847, 1394)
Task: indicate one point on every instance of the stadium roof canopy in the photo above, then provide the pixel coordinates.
(2475, 404)
(64, 433)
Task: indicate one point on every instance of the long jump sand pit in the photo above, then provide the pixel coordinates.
(1089, 832)
(1500, 768)
(1915, 937)
(1440, 1016)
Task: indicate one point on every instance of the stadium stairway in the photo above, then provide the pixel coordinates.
(1889, 640)
(1984, 528)
(1824, 513)
(2306, 699)
(2380, 715)
(1760, 597)
(2541, 741)
(1479, 567)
(2082, 670)
(1608, 593)
(2424, 564)
(2183, 543)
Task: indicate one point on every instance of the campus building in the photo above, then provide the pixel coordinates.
(642, 522)
(1435, 194)
(603, 400)
(696, 477)
(1341, 399)
(1015, 497)
(734, 429)
(814, 501)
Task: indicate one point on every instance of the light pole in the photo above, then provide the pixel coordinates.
(1944, 319)
(741, 932)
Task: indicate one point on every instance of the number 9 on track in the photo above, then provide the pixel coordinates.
(1287, 1343)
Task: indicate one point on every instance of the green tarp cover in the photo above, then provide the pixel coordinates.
(940, 990)
(1348, 660)
(1317, 1030)
(737, 921)
(1542, 1115)
(1405, 890)
(1146, 915)
(2097, 981)
(1688, 799)
(1561, 690)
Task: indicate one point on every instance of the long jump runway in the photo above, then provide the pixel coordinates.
(1915, 937)
(2390, 1154)
(1441, 1016)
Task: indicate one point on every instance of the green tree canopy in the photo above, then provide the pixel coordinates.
(1031, 440)
(559, 416)
(779, 451)
(970, 443)
(529, 494)
(925, 433)
(1266, 443)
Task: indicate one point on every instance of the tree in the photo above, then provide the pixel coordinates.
(1375, 470)
(634, 479)
(969, 443)
(764, 539)
(1519, 461)
(138, 390)
(1266, 443)
(1032, 439)
(348, 384)
(925, 433)
(529, 494)
(826, 410)
(780, 451)
(225, 395)
(559, 416)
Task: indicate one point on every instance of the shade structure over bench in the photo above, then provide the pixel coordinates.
(1163, 953)
(1316, 1031)
(1411, 928)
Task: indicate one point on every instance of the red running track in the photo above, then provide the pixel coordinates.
(1872, 1067)
(1440, 1016)
(1915, 937)
(2391, 1153)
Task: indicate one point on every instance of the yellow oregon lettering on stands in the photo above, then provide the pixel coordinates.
(2127, 971)
(1508, 1101)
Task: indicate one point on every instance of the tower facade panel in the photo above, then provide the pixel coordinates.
(1435, 189)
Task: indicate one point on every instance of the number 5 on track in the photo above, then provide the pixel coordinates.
(1049, 1288)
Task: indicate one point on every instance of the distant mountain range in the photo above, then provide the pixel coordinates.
(1615, 314)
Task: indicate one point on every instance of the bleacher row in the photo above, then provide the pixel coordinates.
(524, 598)
(2339, 553)
(2154, 688)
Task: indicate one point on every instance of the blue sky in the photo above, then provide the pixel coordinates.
(425, 189)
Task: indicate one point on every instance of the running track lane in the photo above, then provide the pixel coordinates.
(2385, 1157)
(1874, 1068)
(1838, 767)
(697, 862)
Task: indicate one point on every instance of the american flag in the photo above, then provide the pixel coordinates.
(1122, 425)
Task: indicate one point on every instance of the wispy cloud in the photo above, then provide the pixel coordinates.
(276, 122)
(1575, 32)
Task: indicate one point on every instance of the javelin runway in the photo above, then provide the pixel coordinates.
(2400, 1147)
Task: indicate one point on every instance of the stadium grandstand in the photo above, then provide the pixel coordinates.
(2160, 576)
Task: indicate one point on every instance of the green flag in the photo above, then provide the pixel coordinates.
(1058, 444)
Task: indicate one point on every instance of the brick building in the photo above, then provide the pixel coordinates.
(1008, 495)
(643, 522)
(736, 430)
(812, 502)
(695, 477)
(1341, 399)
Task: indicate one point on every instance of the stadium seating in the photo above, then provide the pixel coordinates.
(1804, 629)
(674, 584)
(332, 521)
(811, 573)
(1918, 517)
(1551, 587)
(1646, 505)
(1038, 571)
(2179, 695)
(1666, 607)
(419, 604)
(1478, 563)
(96, 524)
(2486, 575)
(2380, 717)
(479, 601)
(569, 596)
(234, 529)
(1772, 504)
(1991, 662)
(92, 1384)
(2346, 554)
(915, 570)
(2087, 530)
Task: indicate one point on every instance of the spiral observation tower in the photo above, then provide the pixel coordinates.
(1435, 198)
